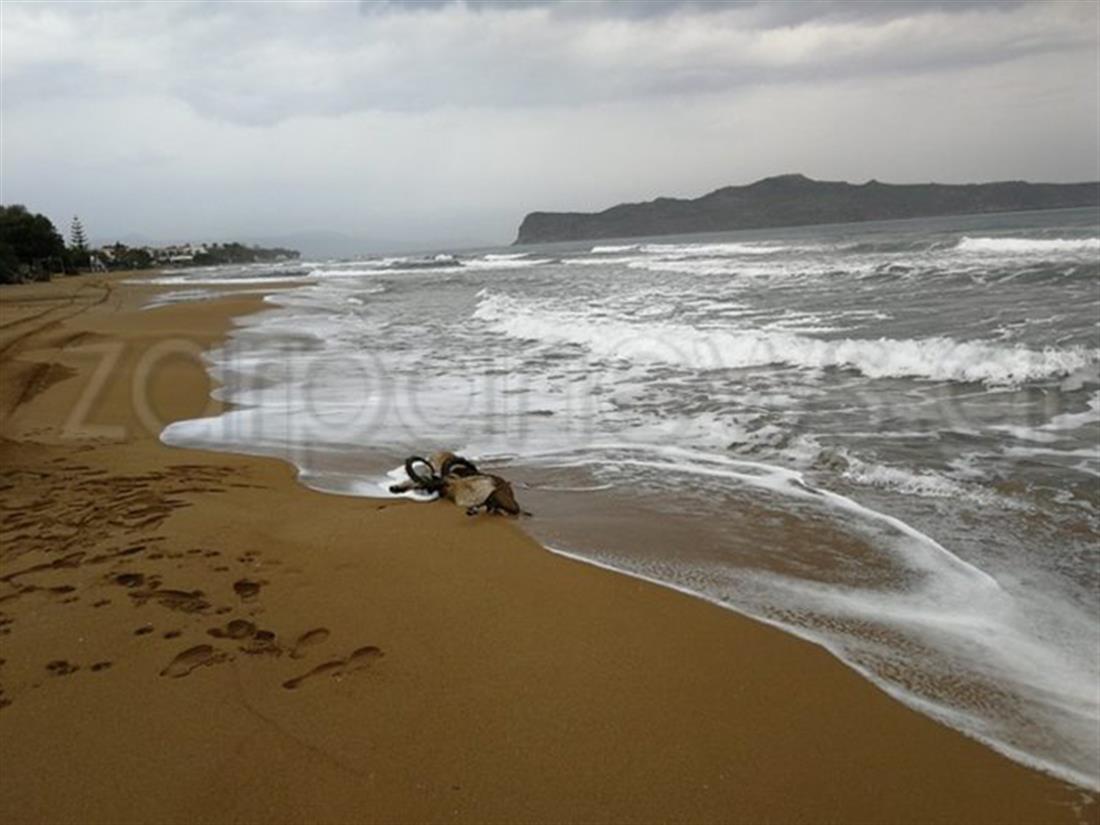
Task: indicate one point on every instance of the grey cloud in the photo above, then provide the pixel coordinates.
(444, 121)
(764, 13)
(262, 64)
(603, 8)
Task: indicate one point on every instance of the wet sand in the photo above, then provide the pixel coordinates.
(194, 637)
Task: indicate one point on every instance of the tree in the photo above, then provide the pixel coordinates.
(123, 257)
(77, 239)
(78, 245)
(30, 246)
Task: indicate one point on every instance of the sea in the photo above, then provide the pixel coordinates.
(881, 437)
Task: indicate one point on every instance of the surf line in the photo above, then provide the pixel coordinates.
(793, 484)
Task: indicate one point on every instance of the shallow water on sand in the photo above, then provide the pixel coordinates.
(882, 437)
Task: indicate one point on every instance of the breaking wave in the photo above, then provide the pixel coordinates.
(627, 247)
(1029, 245)
(714, 249)
(937, 358)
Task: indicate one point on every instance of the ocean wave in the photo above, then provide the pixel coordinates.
(756, 267)
(216, 280)
(598, 250)
(1058, 428)
(602, 261)
(699, 249)
(388, 266)
(926, 484)
(178, 296)
(1072, 421)
(890, 246)
(937, 358)
(708, 250)
(504, 262)
(1028, 245)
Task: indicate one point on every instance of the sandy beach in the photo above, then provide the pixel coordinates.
(195, 637)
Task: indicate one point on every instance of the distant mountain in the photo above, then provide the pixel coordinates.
(795, 200)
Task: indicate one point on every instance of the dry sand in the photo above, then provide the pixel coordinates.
(194, 637)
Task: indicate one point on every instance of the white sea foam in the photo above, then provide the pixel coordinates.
(604, 261)
(714, 249)
(753, 267)
(493, 262)
(397, 475)
(937, 358)
(177, 296)
(1059, 426)
(441, 264)
(1073, 421)
(965, 632)
(1029, 245)
(1078, 769)
(599, 250)
(349, 272)
(927, 484)
(918, 551)
(611, 374)
(219, 279)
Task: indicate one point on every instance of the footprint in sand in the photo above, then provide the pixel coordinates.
(236, 629)
(193, 657)
(338, 668)
(263, 641)
(59, 667)
(307, 640)
(130, 579)
(255, 640)
(185, 601)
(247, 589)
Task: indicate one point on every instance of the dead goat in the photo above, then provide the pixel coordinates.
(459, 480)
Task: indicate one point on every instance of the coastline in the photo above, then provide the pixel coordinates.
(425, 666)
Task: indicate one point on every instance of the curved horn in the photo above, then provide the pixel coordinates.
(429, 480)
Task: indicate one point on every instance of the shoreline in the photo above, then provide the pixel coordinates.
(463, 671)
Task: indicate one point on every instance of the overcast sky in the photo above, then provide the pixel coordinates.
(442, 123)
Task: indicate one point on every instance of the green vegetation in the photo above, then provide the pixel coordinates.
(31, 249)
(122, 257)
(78, 244)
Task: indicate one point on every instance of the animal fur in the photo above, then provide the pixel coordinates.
(482, 490)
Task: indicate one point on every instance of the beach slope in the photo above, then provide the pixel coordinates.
(195, 637)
